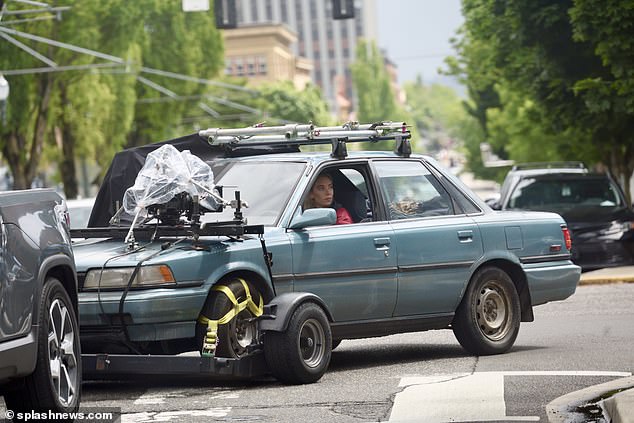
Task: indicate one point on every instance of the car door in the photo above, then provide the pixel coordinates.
(351, 267)
(436, 243)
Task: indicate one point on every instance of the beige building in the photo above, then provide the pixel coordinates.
(262, 52)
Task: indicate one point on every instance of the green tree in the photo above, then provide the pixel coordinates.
(607, 27)
(282, 101)
(549, 67)
(183, 43)
(372, 85)
(436, 112)
(63, 115)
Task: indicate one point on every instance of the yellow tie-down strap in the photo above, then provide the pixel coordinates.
(211, 339)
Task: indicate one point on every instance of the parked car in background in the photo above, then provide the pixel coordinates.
(422, 252)
(79, 211)
(40, 360)
(600, 220)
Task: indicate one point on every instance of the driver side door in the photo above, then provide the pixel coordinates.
(352, 267)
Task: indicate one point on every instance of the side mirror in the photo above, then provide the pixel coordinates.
(314, 217)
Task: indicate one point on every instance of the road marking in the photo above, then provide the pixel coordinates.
(149, 398)
(464, 397)
(167, 416)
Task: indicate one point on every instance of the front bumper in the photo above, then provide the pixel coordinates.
(551, 281)
(148, 315)
(594, 254)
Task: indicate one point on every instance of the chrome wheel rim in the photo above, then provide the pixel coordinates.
(312, 341)
(61, 353)
(493, 311)
(243, 332)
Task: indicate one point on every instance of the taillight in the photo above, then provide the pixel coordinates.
(567, 238)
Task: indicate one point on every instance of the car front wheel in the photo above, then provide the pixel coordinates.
(300, 354)
(231, 307)
(487, 320)
(55, 384)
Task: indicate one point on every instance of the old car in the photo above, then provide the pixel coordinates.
(40, 359)
(229, 261)
(599, 218)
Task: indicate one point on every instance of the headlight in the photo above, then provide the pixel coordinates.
(615, 231)
(118, 277)
(627, 226)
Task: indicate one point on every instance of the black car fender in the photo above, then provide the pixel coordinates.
(278, 312)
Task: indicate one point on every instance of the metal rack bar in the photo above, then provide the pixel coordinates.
(303, 134)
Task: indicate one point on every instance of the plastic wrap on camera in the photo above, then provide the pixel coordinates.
(166, 173)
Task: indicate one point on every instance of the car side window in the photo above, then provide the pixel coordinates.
(411, 191)
(350, 192)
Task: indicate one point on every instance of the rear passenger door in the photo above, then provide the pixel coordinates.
(436, 242)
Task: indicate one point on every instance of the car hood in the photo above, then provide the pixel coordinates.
(95, 253)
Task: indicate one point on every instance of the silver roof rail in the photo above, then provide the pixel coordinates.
(307, 134)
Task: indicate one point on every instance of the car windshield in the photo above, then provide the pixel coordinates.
(564, 194)
(265, 186)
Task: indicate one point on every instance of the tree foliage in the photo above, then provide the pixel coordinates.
(61, 116)
(283, 101)
(560, 71)
(375, 95)
(437, 114)
(372, 85)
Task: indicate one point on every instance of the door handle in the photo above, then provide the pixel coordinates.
(382, 244)
(465, 236)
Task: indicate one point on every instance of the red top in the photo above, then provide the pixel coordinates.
(343, 217)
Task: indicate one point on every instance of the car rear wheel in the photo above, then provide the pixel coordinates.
(232, 305)
(302, 353)
(56, 382)
(488, 318)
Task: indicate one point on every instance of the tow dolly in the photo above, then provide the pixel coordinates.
(108, 366)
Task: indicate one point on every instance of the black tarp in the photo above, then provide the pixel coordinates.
(126, 164)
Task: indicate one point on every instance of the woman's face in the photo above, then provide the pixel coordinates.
(322, 192)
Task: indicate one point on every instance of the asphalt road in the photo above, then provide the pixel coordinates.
(580, 342)
(574, 344)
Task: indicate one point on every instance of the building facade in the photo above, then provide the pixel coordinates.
(262, 52)
(328, 43)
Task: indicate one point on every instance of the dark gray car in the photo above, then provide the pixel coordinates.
(40, 358)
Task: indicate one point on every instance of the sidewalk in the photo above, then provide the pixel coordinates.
(608, 275)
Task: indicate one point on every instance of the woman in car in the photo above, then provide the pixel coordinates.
(322, 194)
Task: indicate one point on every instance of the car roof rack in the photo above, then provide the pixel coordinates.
(550, 165)
(309, 134)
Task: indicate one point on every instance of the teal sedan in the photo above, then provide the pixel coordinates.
(277, 276)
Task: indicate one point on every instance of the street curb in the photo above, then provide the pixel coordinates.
(562, 409)
(602, 280)
(620, 407)
(620, 274)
